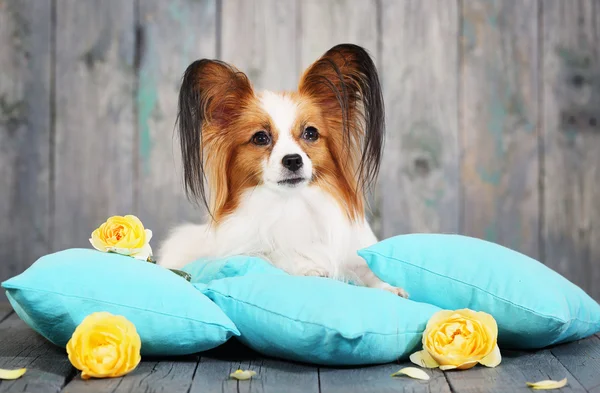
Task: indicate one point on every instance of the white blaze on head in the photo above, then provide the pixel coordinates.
(283, 111)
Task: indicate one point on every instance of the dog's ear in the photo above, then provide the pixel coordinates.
(345, 84)
(211, 92)
(211, 97)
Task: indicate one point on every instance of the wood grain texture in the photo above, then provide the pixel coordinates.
(48, 367)
(259, 38)
(326, 24)
(420, 171)
(571, 140)
(282, 376)
(5, 311)
(511, 375)
(582, 359)
(50, 370)
(213, 376)
(171, 35)
(499, 130)
(272, 376)
(95, 128)
(25, 128)
(150, 376)
(377, 379)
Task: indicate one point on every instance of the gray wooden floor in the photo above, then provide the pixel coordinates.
(49, 370)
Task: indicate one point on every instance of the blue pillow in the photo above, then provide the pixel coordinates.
(205, 270)
(317, 320)
(533, 305)
(58, 291)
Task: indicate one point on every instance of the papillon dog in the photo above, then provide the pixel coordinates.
(283, 175)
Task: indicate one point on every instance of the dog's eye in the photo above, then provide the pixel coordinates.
(261, 138)
(310, 134)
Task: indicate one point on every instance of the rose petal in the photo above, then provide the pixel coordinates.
(124, 251)
(12, 374)
(143, 253)
(493, 359)
(466, 365)
(138, 253)
(447, 367)
(148, 235)
(130, 218)
(438, 318)
(97, 244)
(485, 319)
(423, 359)
(242, 374)
(412, 372)
(547, 384)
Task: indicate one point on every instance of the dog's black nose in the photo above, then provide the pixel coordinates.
(293, 162)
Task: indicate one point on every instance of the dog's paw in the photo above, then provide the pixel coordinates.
(396, 291)
(315, 272)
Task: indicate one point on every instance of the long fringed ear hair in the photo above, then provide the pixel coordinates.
(345, 83)
(209, 101)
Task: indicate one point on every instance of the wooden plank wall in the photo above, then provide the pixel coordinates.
(94, 134)
(26, 134)
(493, 114)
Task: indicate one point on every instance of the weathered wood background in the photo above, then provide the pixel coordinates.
(493, 113)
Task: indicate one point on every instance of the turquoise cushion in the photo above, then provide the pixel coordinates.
(313, 319)
(58, 291)
(533, 305)
(205, 270)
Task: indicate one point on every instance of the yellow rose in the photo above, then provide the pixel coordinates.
(104, 345)
(459, 339)
(123, 235)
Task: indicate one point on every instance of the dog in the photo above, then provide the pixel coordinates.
(286, 173)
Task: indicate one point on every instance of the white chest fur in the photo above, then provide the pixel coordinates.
(297, 230)
(302, 231)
